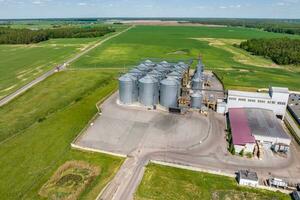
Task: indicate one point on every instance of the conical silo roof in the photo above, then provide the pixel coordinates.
(127, 78)
(169, 81)
(142, 67)
(148, 79)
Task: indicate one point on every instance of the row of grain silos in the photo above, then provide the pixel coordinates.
(152, 83)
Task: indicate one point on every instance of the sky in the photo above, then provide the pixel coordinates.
(11, 9)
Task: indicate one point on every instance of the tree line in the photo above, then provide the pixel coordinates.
(281, 50)
(27, 36)
(288, 26)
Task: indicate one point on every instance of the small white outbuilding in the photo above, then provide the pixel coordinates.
(247, 178)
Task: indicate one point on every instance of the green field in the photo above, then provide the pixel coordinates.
(160, 182)
(20, 64)
(185, 42)
(38, 127)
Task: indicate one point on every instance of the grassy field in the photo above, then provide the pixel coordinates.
(185, 42)
(42, 123)
(162, 182)
(20, 64)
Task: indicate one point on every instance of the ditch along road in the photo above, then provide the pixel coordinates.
(21, 90)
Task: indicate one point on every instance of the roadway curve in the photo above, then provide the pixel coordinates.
(208, 155)
(11, 96)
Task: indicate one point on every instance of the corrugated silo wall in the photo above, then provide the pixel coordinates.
(168, 95)
(148, 93)
(126, 89)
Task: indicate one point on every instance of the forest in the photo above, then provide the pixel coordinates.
(27, 36)
(283, 51)
(288, 26)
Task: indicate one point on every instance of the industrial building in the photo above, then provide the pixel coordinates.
(251, 126)
(162, 85)
(276, 100)
(247, 178)
(296, 195)
(294, 107)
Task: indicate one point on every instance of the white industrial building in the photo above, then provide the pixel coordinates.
(276, 100)
(247, 178)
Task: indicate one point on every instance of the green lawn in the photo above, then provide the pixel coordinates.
(163, 42)
(40, 125)
(161, 182)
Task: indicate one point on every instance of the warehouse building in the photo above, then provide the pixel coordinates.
(242, 138)
(276, 100)
(294, 106)
(253, 125)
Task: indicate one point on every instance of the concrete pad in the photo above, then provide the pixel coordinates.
(122, 129)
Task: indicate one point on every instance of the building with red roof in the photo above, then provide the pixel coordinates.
(242, 138)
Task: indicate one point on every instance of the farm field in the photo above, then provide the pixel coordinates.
(187, 42)
(42, 123)
(20, 64)
(161, 182)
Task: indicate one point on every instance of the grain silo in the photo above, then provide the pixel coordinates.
(143, 68)
(169, 92)
(148, 91)
(196, 100)
(197, 83)
(139, 74)
(156, 74)
(128, 92)
(174, 73)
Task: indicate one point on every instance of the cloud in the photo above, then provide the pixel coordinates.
(281, 4)
(36, 2)
(235, 6)
(81, 4)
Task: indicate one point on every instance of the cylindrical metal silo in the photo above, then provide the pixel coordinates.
(196, 100)
(148, 91)
(197, 83)
(169, 94)
(128, 91)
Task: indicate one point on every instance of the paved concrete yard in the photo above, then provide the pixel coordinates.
(121, 129)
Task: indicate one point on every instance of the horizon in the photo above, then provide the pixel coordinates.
(48, 9)
(143, 18)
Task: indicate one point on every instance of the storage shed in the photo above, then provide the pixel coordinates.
(247, 178)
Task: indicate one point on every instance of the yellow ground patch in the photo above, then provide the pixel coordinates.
(239, 55)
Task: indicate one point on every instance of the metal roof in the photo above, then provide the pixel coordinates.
(241, 133)
(294, 106)
(148, 79)
(279, 89)
(170, 81)
(127, 77)
(237, 93)
(264, 123)
(248, 175)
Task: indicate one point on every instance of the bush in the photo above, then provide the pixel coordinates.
(231, 149)
(242, 153)
(249, 155)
